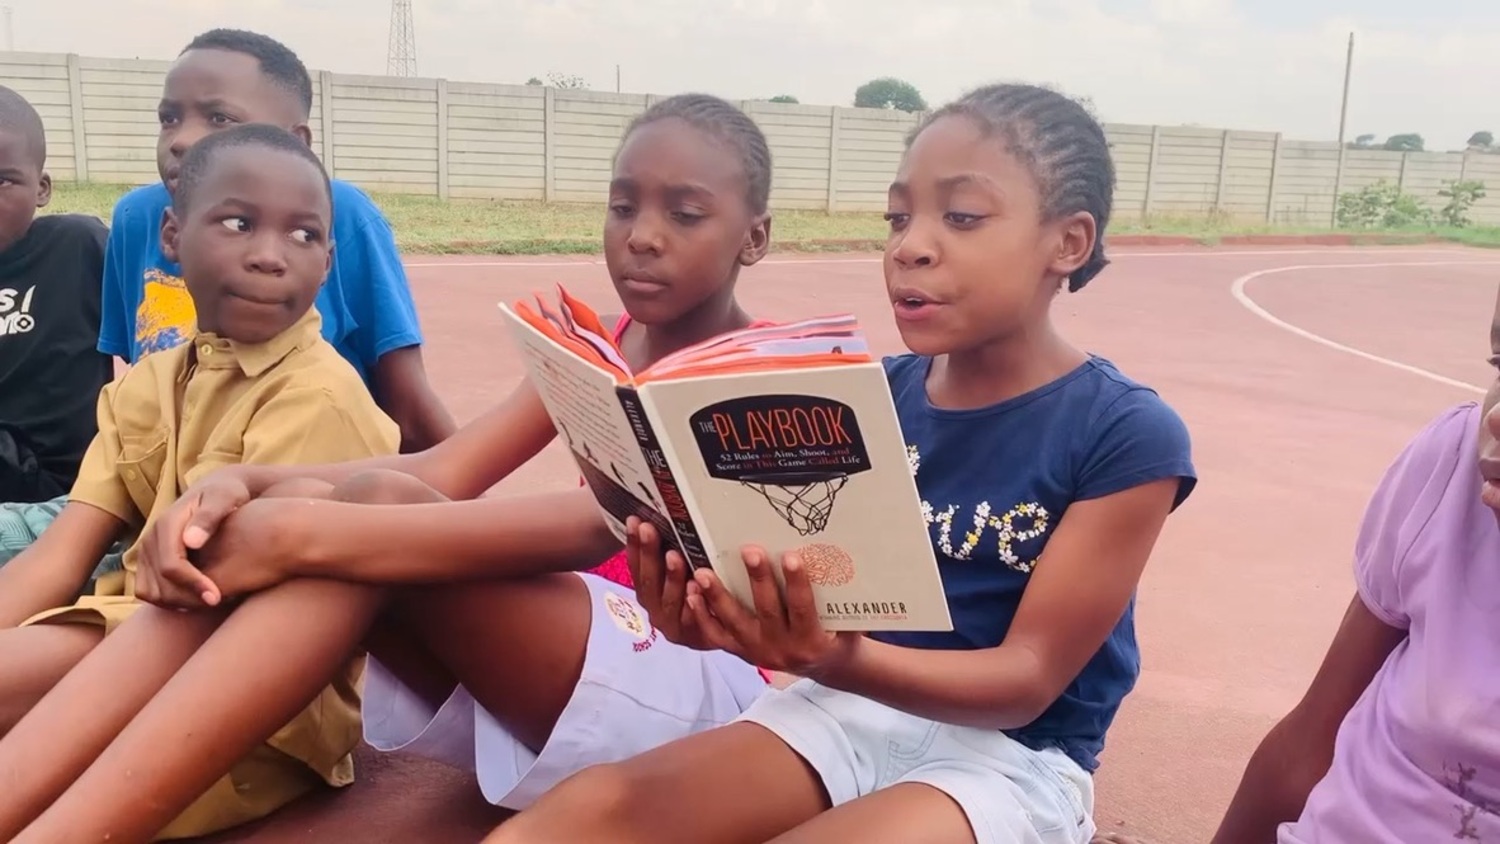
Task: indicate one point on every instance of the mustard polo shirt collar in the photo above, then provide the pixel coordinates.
(215, 352)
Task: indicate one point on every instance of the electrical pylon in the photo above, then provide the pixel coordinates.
(401, 57)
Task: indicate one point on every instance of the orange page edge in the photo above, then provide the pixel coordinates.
(577, 347)
(753, 364)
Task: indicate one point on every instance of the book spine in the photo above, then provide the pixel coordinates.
(666, 484)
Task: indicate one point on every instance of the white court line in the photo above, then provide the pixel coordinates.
(1237, 289)
(1200, 253)
(1255, 253)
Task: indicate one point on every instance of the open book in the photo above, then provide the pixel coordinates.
(783, 436)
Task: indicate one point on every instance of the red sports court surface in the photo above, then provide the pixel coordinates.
(1301, 373)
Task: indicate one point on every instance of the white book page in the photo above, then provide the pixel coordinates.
(584, 406)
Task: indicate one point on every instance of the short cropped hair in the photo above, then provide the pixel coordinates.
(20, 117)
(277, 61)
(200, 159)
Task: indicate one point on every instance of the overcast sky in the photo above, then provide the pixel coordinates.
(1274, 65)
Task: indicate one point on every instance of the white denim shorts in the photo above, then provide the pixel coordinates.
(1010, 793)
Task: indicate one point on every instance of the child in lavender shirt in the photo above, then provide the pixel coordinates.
(1397, 740)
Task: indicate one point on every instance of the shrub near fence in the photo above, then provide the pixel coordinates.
(463, 139)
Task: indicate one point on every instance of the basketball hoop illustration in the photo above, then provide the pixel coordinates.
(798, 452)
(803, 499)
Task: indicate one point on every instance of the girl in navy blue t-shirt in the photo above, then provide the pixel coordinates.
(1046, 476)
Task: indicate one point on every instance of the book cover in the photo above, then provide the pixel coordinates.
(783, 436)
(808, 460)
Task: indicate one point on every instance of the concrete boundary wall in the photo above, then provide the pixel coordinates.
(461, 139)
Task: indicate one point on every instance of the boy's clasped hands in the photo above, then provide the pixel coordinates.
(218, 542)
(197, 556)
(781, 632)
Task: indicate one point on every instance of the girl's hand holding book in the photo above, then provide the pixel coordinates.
(699, 612)
(661, 585)
(778, 633)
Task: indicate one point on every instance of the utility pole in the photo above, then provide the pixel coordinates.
(617, 79)
(401, 54)
(1344, 107)
(10, 27)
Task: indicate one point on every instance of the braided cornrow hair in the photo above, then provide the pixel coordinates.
(1062, 145)
(719, 118)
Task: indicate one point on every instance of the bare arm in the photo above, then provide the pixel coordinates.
(440, 542)
(404, 393)
(49, 573)
(1297, 752)
(472, 460)
(461, 467)
(1078, 593)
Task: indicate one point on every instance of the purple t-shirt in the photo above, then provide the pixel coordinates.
(1418, 757)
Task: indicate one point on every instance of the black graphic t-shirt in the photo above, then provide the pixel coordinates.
(50, 369)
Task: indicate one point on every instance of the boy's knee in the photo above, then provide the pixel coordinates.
(299, 488)
(385, 486)
(34, 659)
(601, 803)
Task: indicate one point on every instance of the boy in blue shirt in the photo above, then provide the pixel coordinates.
(226, 78)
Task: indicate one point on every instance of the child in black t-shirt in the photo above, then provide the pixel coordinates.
(51, 270)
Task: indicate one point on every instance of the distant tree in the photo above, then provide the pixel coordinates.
(1483, 139)
(1363, 142)
(567, 81)
(1406, 142)
(534, 81)
(889, 92)
(785, 98)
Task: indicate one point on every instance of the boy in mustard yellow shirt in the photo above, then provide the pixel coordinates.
(258, 384)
